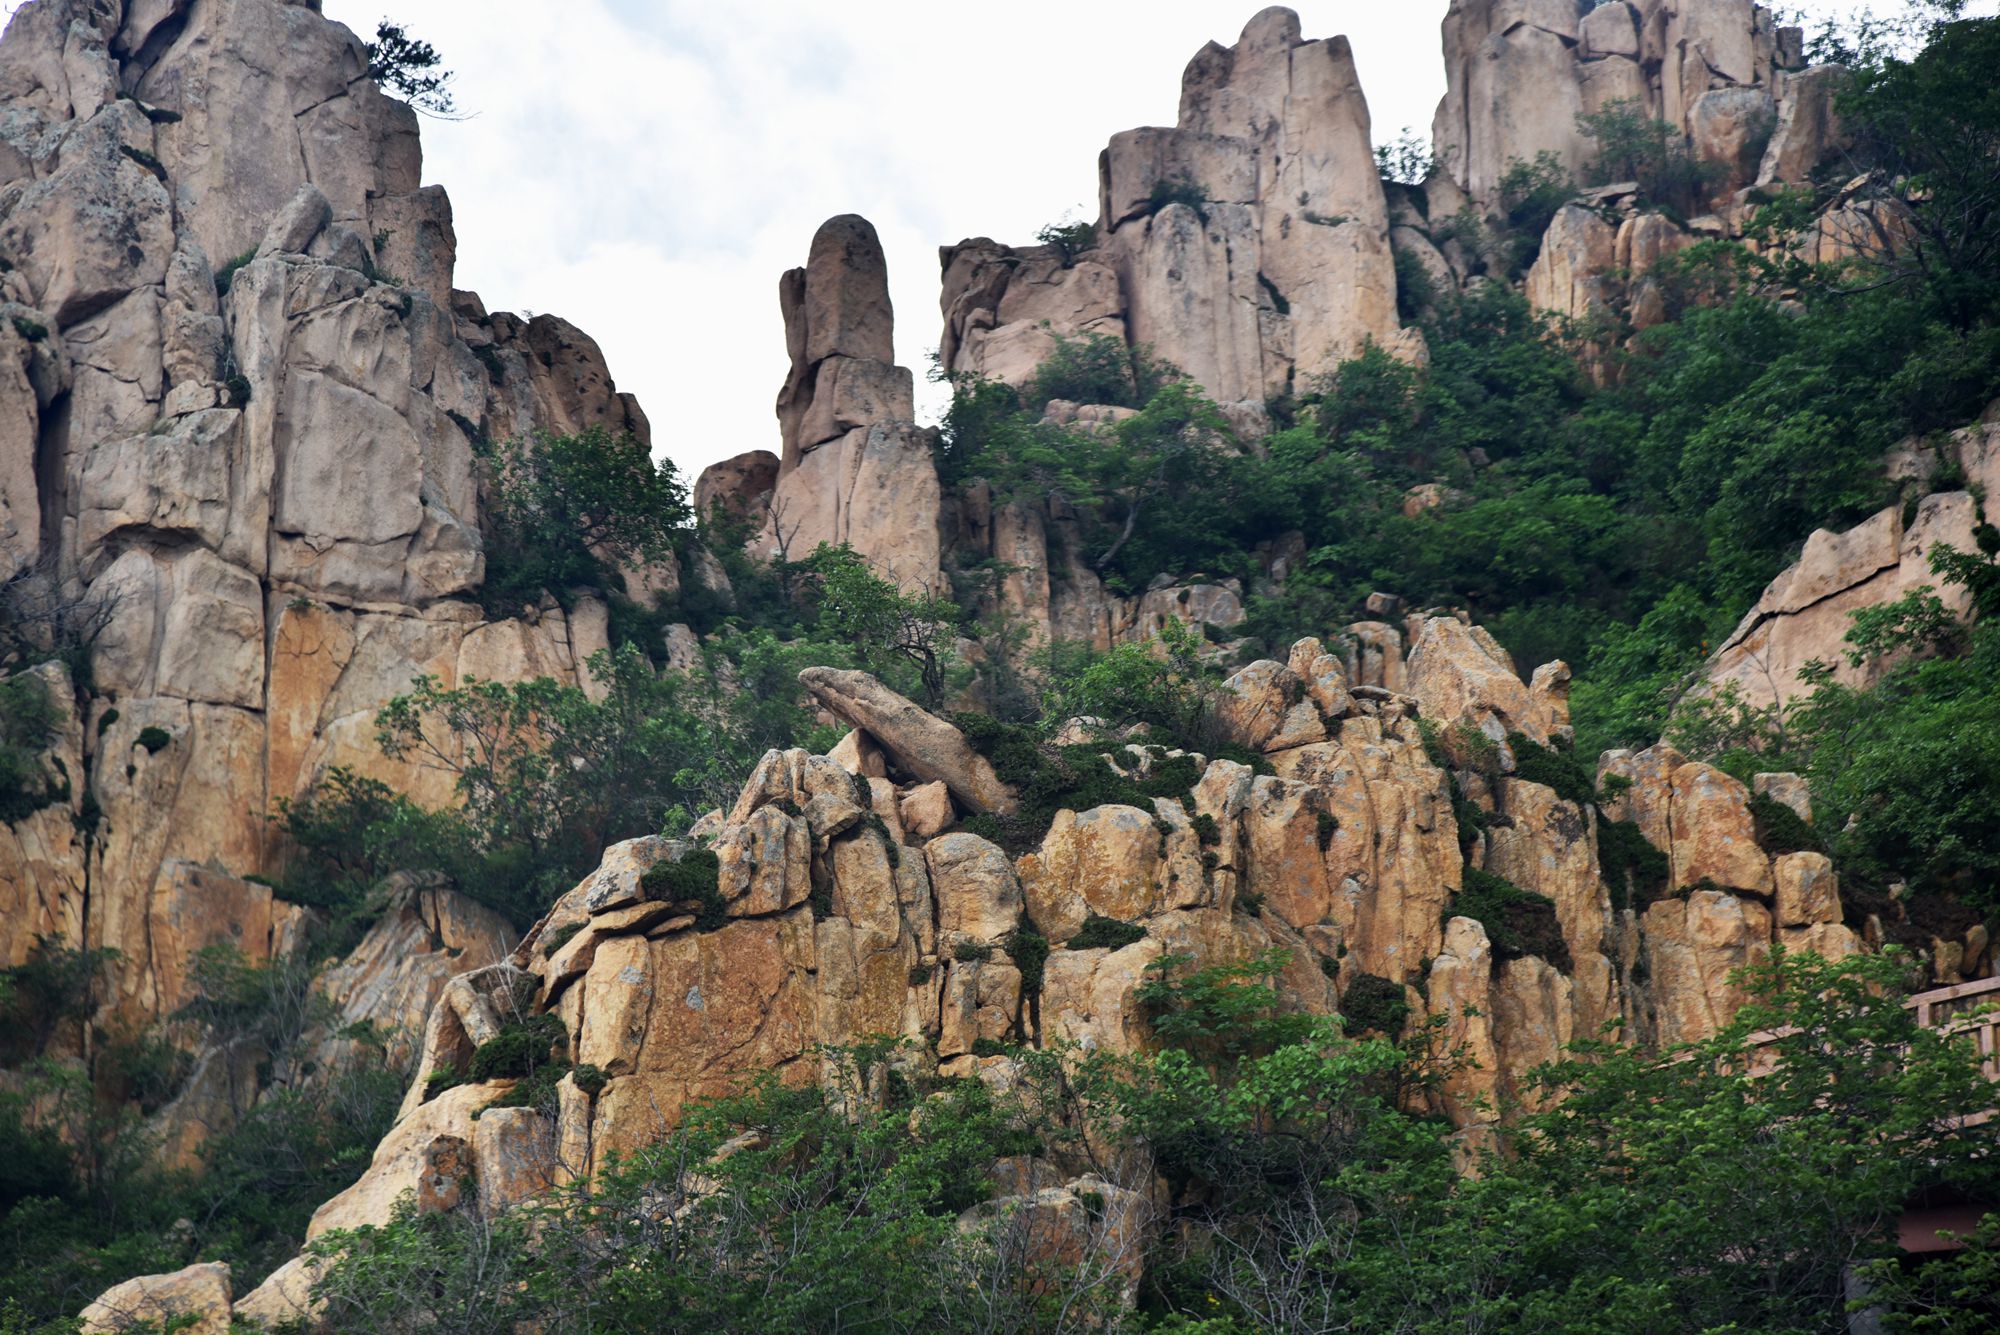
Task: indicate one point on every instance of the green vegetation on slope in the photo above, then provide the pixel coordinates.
(1300, 1192)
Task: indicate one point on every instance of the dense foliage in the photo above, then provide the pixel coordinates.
(1697, 1190)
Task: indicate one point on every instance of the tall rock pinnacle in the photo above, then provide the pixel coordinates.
(855, 468)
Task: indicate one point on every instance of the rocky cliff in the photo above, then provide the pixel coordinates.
(843, 897)
(243, 406)
(244, 402)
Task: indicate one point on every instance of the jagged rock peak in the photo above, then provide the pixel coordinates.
(1247, 244)
(855, 468)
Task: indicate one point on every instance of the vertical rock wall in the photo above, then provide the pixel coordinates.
(239, 407)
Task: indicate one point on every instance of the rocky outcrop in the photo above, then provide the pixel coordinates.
(855, 467)
(1804, 615)
(1247, 245)
(833, 915)
(239, 406)
(194, 1300)
(1519, 73)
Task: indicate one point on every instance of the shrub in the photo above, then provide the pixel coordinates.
(1029, 950)
(1635, 872)
(1559, 770)
(28, 719)
(1517, 922)
(1634, 147)
(1070, 239)
(572, 511)
(226, 275)
(411, 68)
(155, 740)
(1375, 1004)
(1092, 368)
(693, 883)
(520, 1049)
(1782, 830)
(1179, 189)
(1531, 194)
(1108, 933)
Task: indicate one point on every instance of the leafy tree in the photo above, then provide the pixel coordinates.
(1632, 146)
(887, 628)
(411, 68)
(1531, 194)
(1070, 239)
(1927, 125)
(28, 718)
(571, 511)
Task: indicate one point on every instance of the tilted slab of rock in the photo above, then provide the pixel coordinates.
(1805, 613)
(922, 744)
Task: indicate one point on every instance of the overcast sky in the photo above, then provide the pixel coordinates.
(647, 168)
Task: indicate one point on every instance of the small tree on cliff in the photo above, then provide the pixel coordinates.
(888, 628)
(413, 68)
(567, 511)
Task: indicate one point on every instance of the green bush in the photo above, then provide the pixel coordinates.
(1374, 1004)
(570, 511)
(28, 719)
(1535, 763)
(1517, 922)
(693, 882)
(1635, 872)
(1109, 933)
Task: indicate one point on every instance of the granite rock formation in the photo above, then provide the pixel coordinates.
(242, 404)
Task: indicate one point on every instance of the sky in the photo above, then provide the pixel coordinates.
(648, 168)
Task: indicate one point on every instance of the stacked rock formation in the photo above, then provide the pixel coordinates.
(851, 904)
(1247, 245)
(855, 468)
(241, 404)
(1520, 72)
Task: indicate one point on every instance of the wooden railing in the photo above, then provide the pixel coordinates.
(1971, 1009)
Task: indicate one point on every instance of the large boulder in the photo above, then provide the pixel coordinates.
(195, 1301)
(922, 744)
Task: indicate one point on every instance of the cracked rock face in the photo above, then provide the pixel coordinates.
(223, 426)
(1805, 613)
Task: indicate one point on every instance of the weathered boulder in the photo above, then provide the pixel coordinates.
(740, 485)
(195, 1300)
(978, 896)
(1086, 1228)
(921, 744)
